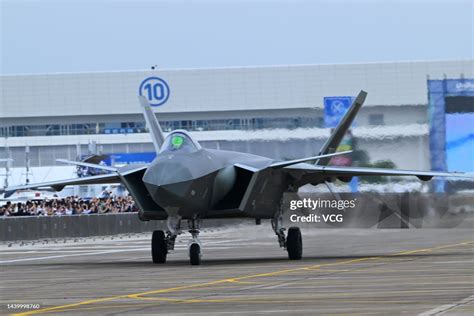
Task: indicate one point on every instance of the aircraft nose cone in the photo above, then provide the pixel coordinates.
(167, 173)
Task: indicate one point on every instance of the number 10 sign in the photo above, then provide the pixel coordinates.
(155, 89)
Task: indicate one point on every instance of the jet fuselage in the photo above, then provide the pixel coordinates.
(191, 184)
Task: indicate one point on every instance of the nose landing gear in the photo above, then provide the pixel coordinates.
(195, 254)
(194, 244)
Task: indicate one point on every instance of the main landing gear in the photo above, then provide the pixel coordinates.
(161, 244)
(293, 243)
(159, 249)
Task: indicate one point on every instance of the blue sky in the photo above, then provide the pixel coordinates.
(96, 35)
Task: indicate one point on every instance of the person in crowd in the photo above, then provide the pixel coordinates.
(71, 205)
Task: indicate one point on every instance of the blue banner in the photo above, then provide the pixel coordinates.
(129, 158)
(334, 109)
(451, 133)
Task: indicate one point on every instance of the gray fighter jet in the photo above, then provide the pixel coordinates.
(189, 183)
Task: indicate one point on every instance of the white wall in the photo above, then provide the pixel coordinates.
(223, 89)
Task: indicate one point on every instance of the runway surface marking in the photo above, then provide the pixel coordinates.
(72, 255)
(446, 307)
(75, 251)
(141, 295)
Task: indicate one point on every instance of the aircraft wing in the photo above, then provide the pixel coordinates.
(60, 184)
(316, 173)
(283, 164)
(115, 176)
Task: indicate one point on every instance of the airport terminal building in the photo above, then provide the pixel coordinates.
(276, 111)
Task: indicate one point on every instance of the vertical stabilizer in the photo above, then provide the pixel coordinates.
(336, 137)
(152, 123)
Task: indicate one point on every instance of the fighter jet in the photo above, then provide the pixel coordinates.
(189, 183)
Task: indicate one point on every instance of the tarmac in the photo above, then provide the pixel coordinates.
(244, 272)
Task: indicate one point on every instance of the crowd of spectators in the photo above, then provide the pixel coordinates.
(69, 206)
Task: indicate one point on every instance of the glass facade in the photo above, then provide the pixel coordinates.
(168, 126)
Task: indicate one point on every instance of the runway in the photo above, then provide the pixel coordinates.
(244, 272)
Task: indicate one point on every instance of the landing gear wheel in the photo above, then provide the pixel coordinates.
(294, 243)
(159, 248)
(195, 254)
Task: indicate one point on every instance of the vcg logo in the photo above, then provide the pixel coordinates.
(155, 89)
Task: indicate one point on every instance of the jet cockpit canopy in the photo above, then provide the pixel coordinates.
(180, 141)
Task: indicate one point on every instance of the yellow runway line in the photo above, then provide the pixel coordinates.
(66, 307)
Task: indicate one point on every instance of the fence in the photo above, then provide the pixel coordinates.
(44, 227)
(70, 226)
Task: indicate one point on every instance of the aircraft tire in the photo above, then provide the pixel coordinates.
(195, 254)
(159, 249)
(294, 243)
